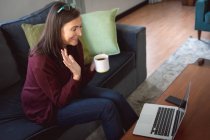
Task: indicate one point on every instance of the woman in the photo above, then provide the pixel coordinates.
(56, 91)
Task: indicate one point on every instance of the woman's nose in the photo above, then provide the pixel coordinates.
(79, 31)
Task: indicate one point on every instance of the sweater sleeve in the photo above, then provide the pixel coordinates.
(48, 80)
(87, 74)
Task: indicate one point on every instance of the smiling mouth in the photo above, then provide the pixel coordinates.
(75, 40)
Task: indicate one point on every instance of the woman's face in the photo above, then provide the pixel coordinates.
(71, 31)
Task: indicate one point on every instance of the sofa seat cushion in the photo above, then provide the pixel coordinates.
(120, 65)
(17, 129)
(13, 124)
(10, 104)
(23, 129)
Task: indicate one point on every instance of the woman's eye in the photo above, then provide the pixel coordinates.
(74, 29)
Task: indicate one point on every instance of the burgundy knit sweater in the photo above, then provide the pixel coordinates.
(50, 86)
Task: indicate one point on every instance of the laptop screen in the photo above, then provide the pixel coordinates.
(186, 97)
(181, 110)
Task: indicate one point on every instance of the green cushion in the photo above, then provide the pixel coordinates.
(33, 33)
(99, 32)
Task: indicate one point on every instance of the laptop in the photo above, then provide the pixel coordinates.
(161, 121)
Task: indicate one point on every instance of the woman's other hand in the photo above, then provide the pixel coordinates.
(92, 66)
(70, 63)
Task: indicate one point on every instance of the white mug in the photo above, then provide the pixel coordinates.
(101, 63)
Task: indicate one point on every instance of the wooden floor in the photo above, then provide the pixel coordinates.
(168, 25)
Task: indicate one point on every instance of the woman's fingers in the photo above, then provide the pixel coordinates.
(69, 62)
(67, 57)
(65, 60)
(65, 52)
(71, 58)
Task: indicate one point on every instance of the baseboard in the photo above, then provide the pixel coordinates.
(131, 10)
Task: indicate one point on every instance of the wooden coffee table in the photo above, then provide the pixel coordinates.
(196, 123)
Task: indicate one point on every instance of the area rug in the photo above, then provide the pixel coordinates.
(158, 81)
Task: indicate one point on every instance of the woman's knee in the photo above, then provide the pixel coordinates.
(109, 110)
(115, 96)
(109, 105)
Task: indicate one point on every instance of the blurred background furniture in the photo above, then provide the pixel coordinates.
(188, 2)
(202, 16)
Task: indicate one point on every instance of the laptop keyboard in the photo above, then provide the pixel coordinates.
(163, 121)
(178, 117)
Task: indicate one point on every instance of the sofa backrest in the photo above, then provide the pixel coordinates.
(16, 38)
(8, 72)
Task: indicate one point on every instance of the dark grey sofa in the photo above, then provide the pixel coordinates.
(128, 70)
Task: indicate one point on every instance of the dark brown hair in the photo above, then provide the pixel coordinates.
(50, 42)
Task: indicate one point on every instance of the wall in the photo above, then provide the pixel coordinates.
(12, 9)
(94, 5)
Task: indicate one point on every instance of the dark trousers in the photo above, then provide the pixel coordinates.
(102, 104)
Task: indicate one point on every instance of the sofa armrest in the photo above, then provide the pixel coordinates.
(133, 38)
(201, 8)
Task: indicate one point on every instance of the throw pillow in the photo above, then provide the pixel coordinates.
(99, 32)
(33, 33)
